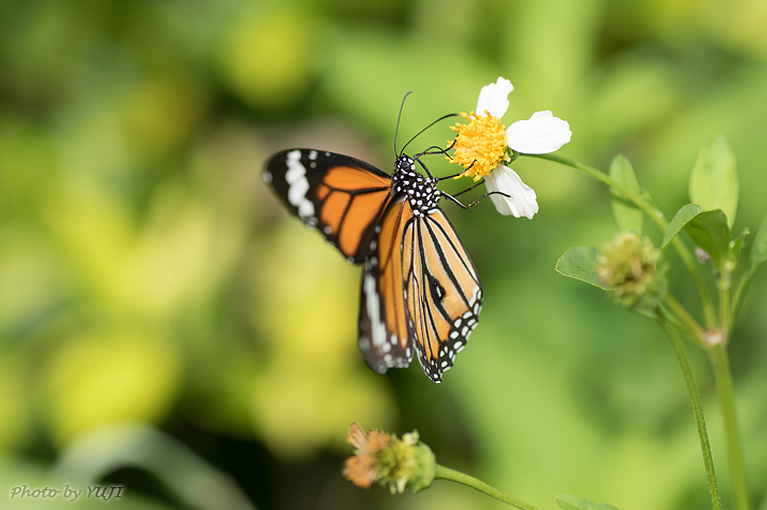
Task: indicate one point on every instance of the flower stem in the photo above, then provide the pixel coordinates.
(740, 292)
(725, 303)
(694, 329)
(638, 200)
(721, 363)
(697, 409)
(446, 473)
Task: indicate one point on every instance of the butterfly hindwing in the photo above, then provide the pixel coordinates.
(443, 292)
(384, 336)
(341, 196)
(420, 292)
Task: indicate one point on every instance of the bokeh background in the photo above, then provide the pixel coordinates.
(167, 327)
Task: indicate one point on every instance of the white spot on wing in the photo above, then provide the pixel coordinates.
(373, 308)
(298, 185)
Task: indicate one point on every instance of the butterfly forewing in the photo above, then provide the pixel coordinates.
(341, 196)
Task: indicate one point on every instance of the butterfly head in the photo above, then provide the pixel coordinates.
(420, 191)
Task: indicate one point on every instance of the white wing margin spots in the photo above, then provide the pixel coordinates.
(298, 185)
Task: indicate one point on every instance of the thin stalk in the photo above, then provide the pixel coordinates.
(721, 363)
(657, 216)
(696, 331)
(446, 473)
(740, 292)
(697, 410)
(725, 296)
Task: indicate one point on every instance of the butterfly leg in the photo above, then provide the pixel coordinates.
(437, 150)
(462, 206)
(467, 189)
(459, 173)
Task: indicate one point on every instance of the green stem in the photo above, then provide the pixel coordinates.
(657, 216)
(725, 296)
(446, 473)
(721, 363)
(740, 291)
(695, 330)
(697, 410)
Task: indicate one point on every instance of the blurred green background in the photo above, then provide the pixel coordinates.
(167, 327)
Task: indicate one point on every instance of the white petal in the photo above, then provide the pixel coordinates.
(540, 134)
(494, 98)
(521, 199)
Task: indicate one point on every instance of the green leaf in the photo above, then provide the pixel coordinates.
(628, 216)
(710, 232)
(714, 179)
(759, 250)
(567, 502)
(737, 244)
(579, 263)
(678, 222)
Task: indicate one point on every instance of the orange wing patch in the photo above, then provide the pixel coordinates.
(391, 281)
(349, 178)
(333, 211)
(322, 192)
(351, 201)
(363, 210)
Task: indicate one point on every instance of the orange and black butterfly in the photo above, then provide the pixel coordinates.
(420, 290)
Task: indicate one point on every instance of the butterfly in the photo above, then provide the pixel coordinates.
(420, 291)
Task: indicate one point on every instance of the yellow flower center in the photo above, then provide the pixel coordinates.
(479, 145)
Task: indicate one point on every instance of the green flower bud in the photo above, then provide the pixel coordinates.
(631, 266)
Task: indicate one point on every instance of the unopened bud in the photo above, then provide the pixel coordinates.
(631, 266)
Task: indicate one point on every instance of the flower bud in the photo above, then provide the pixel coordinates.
(631, 266)
(394, 463)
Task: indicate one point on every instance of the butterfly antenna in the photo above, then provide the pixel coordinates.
(427, 127)
(399, 116)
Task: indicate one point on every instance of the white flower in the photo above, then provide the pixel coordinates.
(482, 147)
